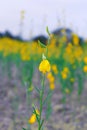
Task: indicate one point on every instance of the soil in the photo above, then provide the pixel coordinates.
(14, 111)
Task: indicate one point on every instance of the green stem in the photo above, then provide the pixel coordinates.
(41, 102)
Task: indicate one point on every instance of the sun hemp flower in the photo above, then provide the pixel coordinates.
(44, 66)
(85, 68)
(85, 59)
(32, 119)
(52, 86)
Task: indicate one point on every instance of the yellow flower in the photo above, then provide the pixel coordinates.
(24, 52)
(49, 75)
(64, 75)
(32, 119)
(37, 112)
(25, 57)
(44, 66)
(72, 80)
(52, 86)
(67, 90)
(54, 68)
(51, 79)
(85, 68)
(85, 59)
(66, 70)
(75, 39)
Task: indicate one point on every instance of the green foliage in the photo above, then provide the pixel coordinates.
(41, 44)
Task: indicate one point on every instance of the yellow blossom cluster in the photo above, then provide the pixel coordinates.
(75, 39)
(51, 80)
(31, 50)
(54, 68)
(65, 72)
(25, 50)
(85, 66)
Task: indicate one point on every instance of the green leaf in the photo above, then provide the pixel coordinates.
(41, 123)
(48, 97)
(41, 44)
(34, 111)
(47, 30)
(37, 89)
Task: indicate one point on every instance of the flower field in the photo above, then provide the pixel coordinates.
(43, 85)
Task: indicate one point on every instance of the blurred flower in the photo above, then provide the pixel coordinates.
(64, 75)
(66, 70)
(52, 86)
(24, 52)
(72, 80)
(67, 90)
(75, 39)
(54, 68)
(50, 77)
(51, 80)
(85, 68)
(85, 59)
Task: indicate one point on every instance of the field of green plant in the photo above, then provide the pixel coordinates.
(43, 86)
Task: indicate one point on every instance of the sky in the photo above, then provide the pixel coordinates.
(42, 13)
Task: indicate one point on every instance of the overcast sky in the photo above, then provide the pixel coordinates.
(42, 13)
